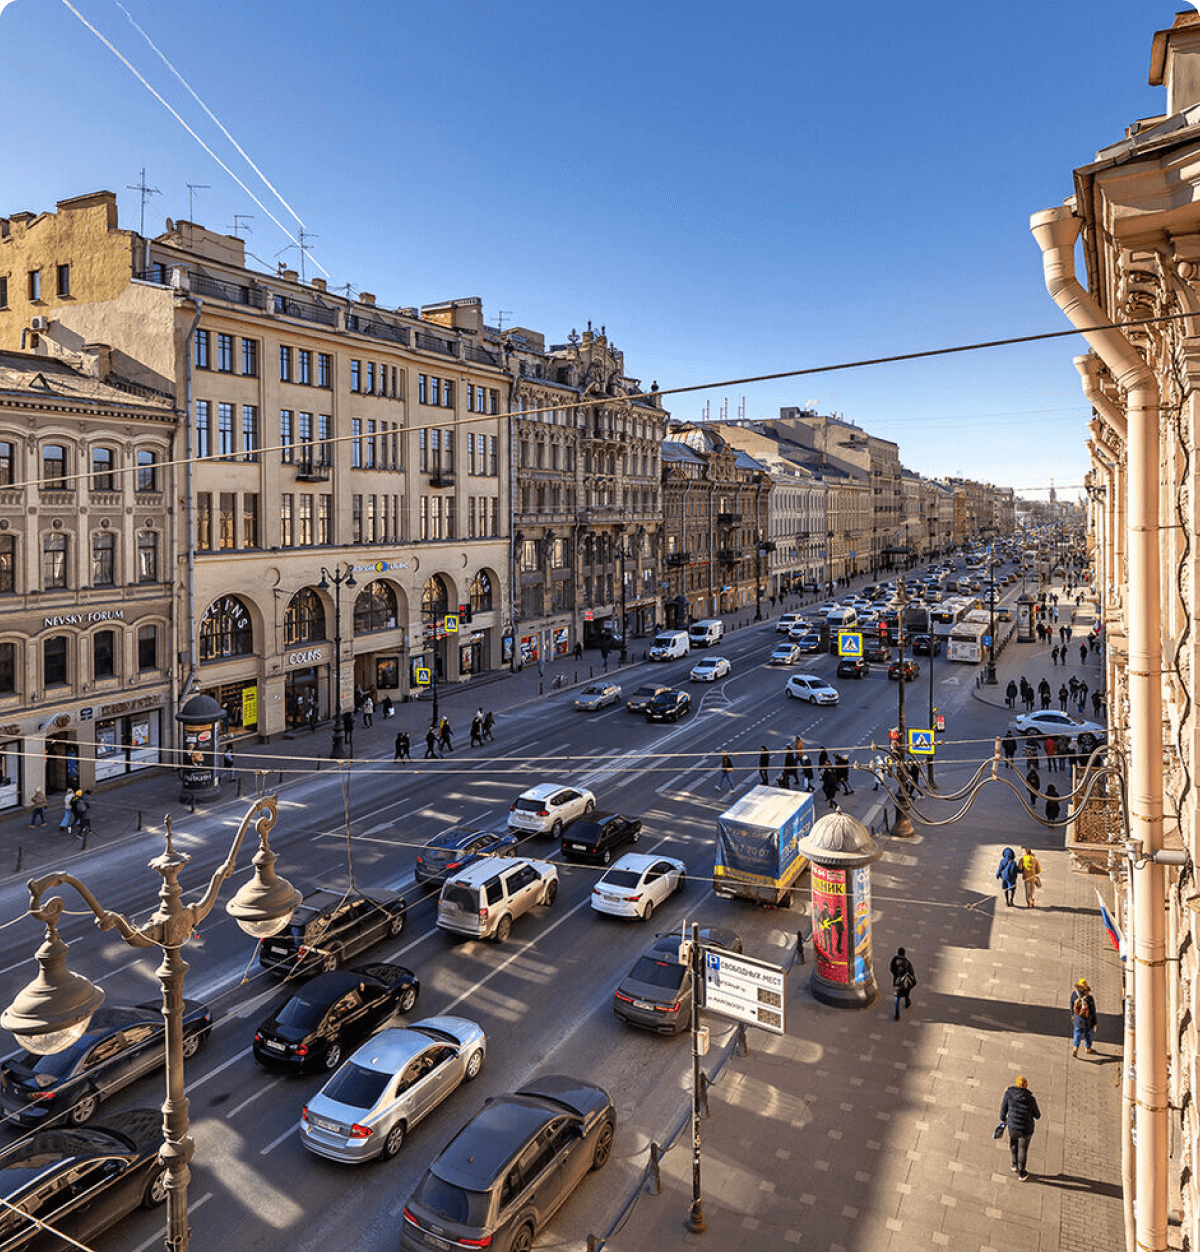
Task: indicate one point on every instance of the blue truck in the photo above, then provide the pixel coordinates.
(757, 855)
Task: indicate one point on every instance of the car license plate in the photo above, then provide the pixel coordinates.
(276, 949)
(323, 1123)
(435, 1242)
(578, 847)
(274, 1045)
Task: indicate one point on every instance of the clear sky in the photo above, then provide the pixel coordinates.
(730, 190)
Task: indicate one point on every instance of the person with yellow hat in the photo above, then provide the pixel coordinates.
(1083, 1017)
(1018, 1111)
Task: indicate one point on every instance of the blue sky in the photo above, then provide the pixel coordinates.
(730, 191)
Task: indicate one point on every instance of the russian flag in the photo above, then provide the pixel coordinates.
(1110, 926)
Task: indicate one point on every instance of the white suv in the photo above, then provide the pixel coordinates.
(549, 807)
(484, 899)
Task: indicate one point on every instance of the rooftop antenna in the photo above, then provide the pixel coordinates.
(705, 418)
(500, 316)
(346, 289)
(302, 243)
(147, 192)
(725, 409)
(192, 189)
(238, 219)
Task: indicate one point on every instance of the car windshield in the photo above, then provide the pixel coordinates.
(356, 1086)
(593, 691)
(645, 691)
(455, 1204)
(620, 878)
(658, 973)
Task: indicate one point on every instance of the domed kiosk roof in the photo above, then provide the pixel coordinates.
(840, 839)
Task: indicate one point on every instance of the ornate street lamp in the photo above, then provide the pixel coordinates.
(338, 747)
(902, 825)
(53, 1011)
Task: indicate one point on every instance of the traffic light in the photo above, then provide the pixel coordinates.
(464, 613)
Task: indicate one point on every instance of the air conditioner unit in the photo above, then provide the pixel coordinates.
(38, 323)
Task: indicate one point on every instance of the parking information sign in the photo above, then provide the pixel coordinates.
(744, 989)
(920, 742)
(849, 643)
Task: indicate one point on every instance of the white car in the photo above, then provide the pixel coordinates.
(799, 629)
(547, 808)
(785, 654)
(811, 688)
(637, 884)
(1048, 722)
(710, 669)
(824, 610)
(597, 695)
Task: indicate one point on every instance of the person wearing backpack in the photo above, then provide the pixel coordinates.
(1083, 1017)
(904, 979)
(1018, 1111)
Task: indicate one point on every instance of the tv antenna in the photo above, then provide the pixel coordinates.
(238, 220)
(192, 189)
(302, 242)
(147, 192)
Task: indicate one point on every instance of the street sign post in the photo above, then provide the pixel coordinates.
(850, 643)
(920, 742)
(745, 989)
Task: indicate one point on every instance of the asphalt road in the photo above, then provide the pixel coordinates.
(544, 997)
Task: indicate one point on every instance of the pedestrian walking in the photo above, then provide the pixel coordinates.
(1083, 1017)
(1018, 1112)
(477, 730)
(312, 714)
(1010, 694)
(1044, 693)
(1054, 654)
(1053, 807)
(1051, 749)
(1083, 694)
(725, 778)
(1009, 744)
(1033, 781)
(904, 979)
(227, 762)
(389, 709)
(348, 727)
(1031, 750)
(401, 753)
(878, 768)
(1063, 694)
(1007, 873)
(1097, 702)
(1027, 697)
(807, 766)
(764, 766)
(65, 824)
(445, 736)
(38, 802)
(829, 784)
(578, 650)
(841, 765)
(488, 722)
(81, 812)
(823, 761)
(431, 739)
(1073, 688)
(1031, 871)
(1083, 649)
(368, 711)
(790, 774)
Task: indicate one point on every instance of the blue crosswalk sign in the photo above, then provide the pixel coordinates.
(920, 742)
(849, 643)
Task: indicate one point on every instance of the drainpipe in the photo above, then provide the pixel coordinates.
(1102, 512)
(1110, 468)
(1056, 231)
(1109, 415)
(190, 501)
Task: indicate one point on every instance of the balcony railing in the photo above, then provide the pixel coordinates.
(678, 558)
(306, 311)
(431, 343)
(235, 293)
(377, 330)
(728, 556)
(312, 472)
(728, 519)
(441, 478)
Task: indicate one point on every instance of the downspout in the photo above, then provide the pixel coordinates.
(190, 502)
(1110, 467)
(1111, 416)
(1102, 512)
(683, 578)
(1056, 231)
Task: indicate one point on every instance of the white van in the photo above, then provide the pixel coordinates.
(706, 633)
(669, 645)
(844, 617)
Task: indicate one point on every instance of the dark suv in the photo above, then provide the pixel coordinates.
(595, 838)
(499, 1181)
(328, 927)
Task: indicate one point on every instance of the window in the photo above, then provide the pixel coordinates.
(370, 387)
(147, 556)
(447, 394)
(103, 654)
(203, 428)
(147, 471)
(421, 388)
(54, 661)
(35, 284)
(355, 375)
(250, 358)
(201, 361)
(8, 668)
(324, 510)
(54, 561)
(225, 447)
(8, 564)
(102, 469)
(435, 599)
(225, 630)
(54, 467)
(63, 276)
(304, 618)
(356, 451)
(249, 432)
(370, 451)
(375, 608)
(227, 519)
(304, 435)
(204, 521)
(147, 645)
(325, 434)
(493, 400)
(287, 437)
(225, 354)
(481, 593)
(304, 367)
(324, 370)
(356, 519)
(306, 520)
(491, 469)
(3, 293)
(285, 363)
(104, 553)
(285, 519)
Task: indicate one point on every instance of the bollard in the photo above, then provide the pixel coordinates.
(239, 784)
(541, 688)
(655, 1170)
(87, 830)
(743, 1044)
(704, 1085)
(280, 782)
(576, 675)
(20, 865)
(800, 947)
(318, 765)
(139, 821)
(192, 803)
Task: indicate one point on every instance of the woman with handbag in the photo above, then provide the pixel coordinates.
(1031, 869)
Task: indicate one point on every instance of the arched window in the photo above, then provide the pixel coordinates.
(226, 630)
(435, 599)
(481, 593)
(374, 608)
(304, 618)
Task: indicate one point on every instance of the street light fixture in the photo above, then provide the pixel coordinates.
(763, 549)
(902, 827)
(54, 1009)
(338, 748)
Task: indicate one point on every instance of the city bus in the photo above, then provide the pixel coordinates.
(945, 616)
(966, 642)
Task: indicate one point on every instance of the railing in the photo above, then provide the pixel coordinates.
(728, 519)
(312, 472)
(441, 478)
(678, 558)
(480, 356)
(305, 311)
(431, 343)
(235, 293)
(377, 330)
(728, 556)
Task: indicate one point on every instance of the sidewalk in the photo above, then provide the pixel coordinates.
(856, 1133)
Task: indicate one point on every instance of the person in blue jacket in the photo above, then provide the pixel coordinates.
(1007, 873)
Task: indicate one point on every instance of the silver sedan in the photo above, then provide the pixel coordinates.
(368, 1107)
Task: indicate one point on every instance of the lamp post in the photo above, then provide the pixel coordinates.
(990, 674)
(902, 826)
(623, 552)
(346, 576)
(53, 1011)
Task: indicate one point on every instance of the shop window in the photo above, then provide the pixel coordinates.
(481, 593)
(226, 630)
(147, 550)
(8, 564)
(104, 553)
(147, 648)
(374, 608)
(304, 618)
(103, 654)
(54, 661)
(54, 562)
(54, 467)
(8, 668)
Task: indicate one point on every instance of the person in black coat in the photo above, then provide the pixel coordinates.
(904, 979)
(764, 766)
(1018, 1111)
(807, 766)
(790, 775)
(829, 784)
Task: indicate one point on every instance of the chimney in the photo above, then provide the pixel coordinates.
(1175, 62)
(97, 360)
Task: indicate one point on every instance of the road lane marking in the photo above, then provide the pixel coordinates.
(154, 1240)
(212, 1073)
(287, 1134)
(250, 1099)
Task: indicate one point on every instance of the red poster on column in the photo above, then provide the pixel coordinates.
(831, 938)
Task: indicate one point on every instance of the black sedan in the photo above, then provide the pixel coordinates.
(910, 668)
(455, 849)
(122, 1044)
(668, 706)
(852, 667)
(657, 993)
(80, 1182)
(332, 1014)
(595, 838)
(926, 645)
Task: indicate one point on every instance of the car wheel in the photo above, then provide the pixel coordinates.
(156, 1189)
(396, 925)
(648, 911)
(333, 1054)
(522, 1240)
(556, 829)
(331, 960)
(474, 1064)
(551, 893)
(603, 1149)
(191, 1044)
(503, 928)
(84, 1109)
(679, 886)
(406, 1000)
(589, 808)
(605, 857)
(393, 1142)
